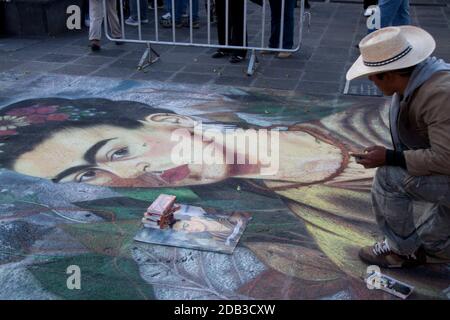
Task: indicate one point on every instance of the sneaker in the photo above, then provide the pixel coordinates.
(132, 22)
(166, 16)
(236, 59)
(219, 54)
(284, 55)
(166, 20)
(381, 254)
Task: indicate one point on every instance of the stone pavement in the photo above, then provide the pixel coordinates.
(327, 50)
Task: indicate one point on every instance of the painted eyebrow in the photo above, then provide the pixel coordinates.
(91, 154)
(70, 171)
(90, 157)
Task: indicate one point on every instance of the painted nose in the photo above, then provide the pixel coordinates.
(126, 170)
(143, 167)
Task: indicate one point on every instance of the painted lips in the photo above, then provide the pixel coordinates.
(175, 174)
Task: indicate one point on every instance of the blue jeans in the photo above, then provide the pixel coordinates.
(395, 198)
(181, 7)
(394, 13)
(288, 28)
(134, 11)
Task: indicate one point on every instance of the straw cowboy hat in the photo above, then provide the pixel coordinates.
(391, 48)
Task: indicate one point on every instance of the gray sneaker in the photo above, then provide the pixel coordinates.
(132, 22)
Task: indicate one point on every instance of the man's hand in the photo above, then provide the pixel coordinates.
(372, 157)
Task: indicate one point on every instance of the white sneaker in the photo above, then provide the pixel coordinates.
(131, 22)
(166, 16)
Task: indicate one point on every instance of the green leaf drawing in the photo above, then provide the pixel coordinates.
(102, 277)
(182, 194)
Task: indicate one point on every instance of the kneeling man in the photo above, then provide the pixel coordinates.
(417, 170)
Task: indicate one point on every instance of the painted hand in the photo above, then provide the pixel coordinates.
(372, 157)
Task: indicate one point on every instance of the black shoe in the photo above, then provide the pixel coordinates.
(95, 45)
(219, 54)
(236, 59)
(118, 42)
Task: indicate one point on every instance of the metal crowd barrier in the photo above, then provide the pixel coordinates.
(150, 55)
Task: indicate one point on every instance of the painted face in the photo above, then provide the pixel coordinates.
(196, 224)
(115, 156)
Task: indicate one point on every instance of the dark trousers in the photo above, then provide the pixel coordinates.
(288, 29)
(235, 25)
(368, 3)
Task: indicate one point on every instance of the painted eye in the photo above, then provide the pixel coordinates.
(119, 154)
(86, 176)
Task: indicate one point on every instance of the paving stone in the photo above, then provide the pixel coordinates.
(334, 50)
(318, 87)
(14, 44)
(313, 66)
(74, 50)
(26, 54)
(279, 84)
(93, 61)
(73, 69)
(193, 78)
(235, 71)
(192, 50)
(322, 76)
(203, 68)
(55, 57)
(287, 63)
(109, 53)
(36, 66)
(206, 59)
(177, 57)
(114, 72)
(165, 66)
(329, 56)
(9, 64)
(281, 73)
(152, 75)
(242, 81)
(125, 63)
